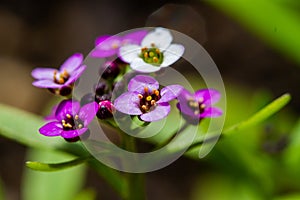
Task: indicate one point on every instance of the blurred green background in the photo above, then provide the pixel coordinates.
(255, 45)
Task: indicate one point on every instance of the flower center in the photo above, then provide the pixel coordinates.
(197, 106)
(72, 123)
(152, 55)
(61, 78)
(148, 99)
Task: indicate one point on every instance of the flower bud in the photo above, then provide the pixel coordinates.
(105, 110)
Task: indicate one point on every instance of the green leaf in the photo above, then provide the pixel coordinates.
(87, 194)
(22, 127)
(59, 185)
(261, 115)
(50, 167)
(289, 197)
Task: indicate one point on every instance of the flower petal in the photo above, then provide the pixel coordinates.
(183, 103)
(88, 112)
(128, 103)
(209, 96)
(51, 129)
(134, 37)
(75, 75)
(172, 54)
(43, 73)
(72, 63)
(101, 38)
(46, 84)
(211, 112)
(129, 52)
(169, 93)
(139, 65)
(159, 112)
(66, 107)
(161, 37)
(139, 82)
(100, 53)
(74, 133)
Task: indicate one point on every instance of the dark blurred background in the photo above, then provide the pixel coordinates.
(44, 33)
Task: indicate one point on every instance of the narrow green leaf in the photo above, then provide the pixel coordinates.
(50, 167)
(58, 185)
(261, 115)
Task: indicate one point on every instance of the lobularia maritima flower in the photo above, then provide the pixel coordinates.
(146, 100)
(155, 52)
(70, 121)
(60, 81)
(195, 107)
(107, 45)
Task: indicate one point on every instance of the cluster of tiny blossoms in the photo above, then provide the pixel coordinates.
(138, 52)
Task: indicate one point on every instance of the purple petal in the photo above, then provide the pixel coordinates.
(113, 42)
(100, 39)
(128, 103)
(211, 112)
(172, 54)
(88, 112)
(100, 53)
(139, 65)
(66, 107)
(46, 84)
(134, 38)
(51, 129)
(160, 112)
(183, 104)
(209, 96)
(72, 63)
(74, 133)
(139, 82)
(129, 52)
(161, 37)
(75, 75)
(43, 73)
(169, 93)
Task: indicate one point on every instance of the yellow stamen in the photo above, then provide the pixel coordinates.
(201, 99)
(157, 51)
(146, 89)
(80, 126)
(145, 55)
(153, 102)
(140, 96)
(156, 92)
(152, 45)
(69, 116)
(76, 117)
(148, 98)
(155, 59)
(144, 107)
(202, 106)
(151, 54)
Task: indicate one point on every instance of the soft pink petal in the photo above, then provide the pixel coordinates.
(46, 84)
(159, 112)
(43, 73)
(72, 63)
(100, 39)
(75, 75)
(88, 112)
(169, 93)
(67, 107)
(134, 37)
(211, 112)
(139, 82)
(100, 53)
(51, 129)
(74, 133)
(209, 96)
(128, 103)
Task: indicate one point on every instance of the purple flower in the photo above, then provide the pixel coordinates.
(107, 46)
(145, 99)
(56, 80)
(71, 121)
(197, 106)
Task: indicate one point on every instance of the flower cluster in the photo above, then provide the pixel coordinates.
(137, 52)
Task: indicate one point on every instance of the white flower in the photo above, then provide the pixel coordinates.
(155, 52)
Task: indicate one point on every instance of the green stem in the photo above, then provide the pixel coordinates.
(135, 181)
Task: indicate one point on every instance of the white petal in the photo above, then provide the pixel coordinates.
(172, 54)
(139, 65)
(129, 52)
(161, 37)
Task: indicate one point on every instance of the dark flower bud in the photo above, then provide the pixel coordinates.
(101, 88)
(109, 70)
(105, 110)
(103, 97)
